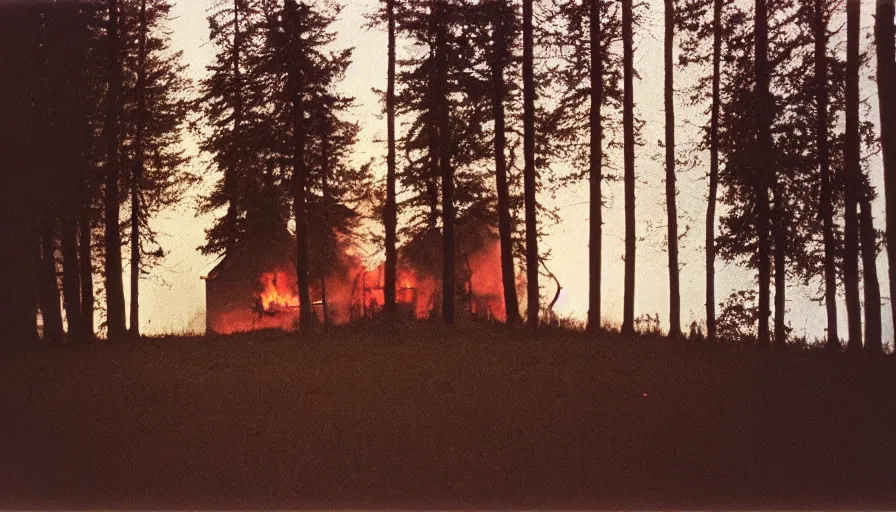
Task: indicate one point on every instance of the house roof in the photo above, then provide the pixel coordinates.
(255, 254)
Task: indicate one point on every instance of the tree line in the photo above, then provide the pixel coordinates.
(493, 96)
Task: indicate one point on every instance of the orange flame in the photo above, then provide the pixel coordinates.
(277, 291)
(359, 291)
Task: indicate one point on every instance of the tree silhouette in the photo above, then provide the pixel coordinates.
(50, 103)
(232, 100)
(672, 211)
(820, 35)
(628, 315)
(886, 74)
(700, 20)
(853, 175)
(294, 57)
(595, 166)
(390, 213)
(529, 181)
(114, 286)
(155, 109)
(502, 18)
(584, 35)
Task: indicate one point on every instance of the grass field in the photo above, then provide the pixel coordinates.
(434, 419)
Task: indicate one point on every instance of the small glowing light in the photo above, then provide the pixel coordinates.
(644, 395)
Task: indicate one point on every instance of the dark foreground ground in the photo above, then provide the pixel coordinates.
(428, 419)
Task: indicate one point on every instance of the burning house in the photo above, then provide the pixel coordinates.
(254, 287)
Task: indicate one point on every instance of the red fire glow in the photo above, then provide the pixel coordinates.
(358, 293)
(277, 291)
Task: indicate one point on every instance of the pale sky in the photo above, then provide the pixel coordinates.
(173, 297)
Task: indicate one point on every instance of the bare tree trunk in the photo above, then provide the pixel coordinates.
(446, 171)
(764, 159)
(325, 190)
(432, 180)
(529, 185)
(300, 215)
(71, 279)
(115, 311)
(886, 75)
(671, 207)
(508, 273)
(713, 173)
(49, 283)
(595, 172)
(391, 211)
(137, 177)
(824, 163)
(85, 250)
(853, 178)
(780, 234)
(628, 119)
(873, 341)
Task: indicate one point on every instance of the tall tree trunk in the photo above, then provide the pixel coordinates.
(391, 211)
(886, 75)
(508, 274)
(432, 180)
(325, 196)
(137, 177)
(446, 171)
(299, 205)
(85, 251)
(713, 172)
(873, 341)
(18, 254)
(780, 234)
(115, 313)
(529, 184)
(49, 283)
(628, 119)
(853, 178)
(71, 279)
(764, 159)
(824, 164)
(672, 210)
(595, 171)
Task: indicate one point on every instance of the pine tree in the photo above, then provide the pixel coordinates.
(763, 162)
(232, 100)
(305, 133)
(587, 81)
(791, 242)
(155, 110)
(114, 287)
(446, 94)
